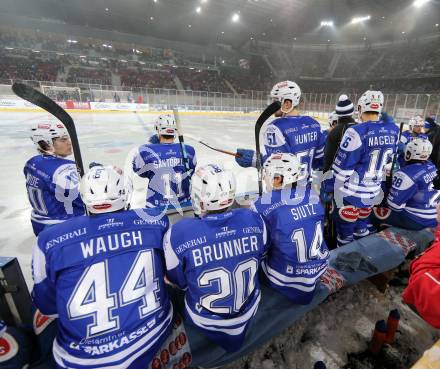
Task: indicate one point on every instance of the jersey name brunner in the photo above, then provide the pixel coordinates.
(224, 250)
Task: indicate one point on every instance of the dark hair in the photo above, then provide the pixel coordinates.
(43, 146)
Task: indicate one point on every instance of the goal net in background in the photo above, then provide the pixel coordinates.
(59, 93)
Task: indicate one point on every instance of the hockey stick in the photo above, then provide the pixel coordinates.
(180, 137)
(200, 141)
(265, 115)
(396, 154)
(37, 98)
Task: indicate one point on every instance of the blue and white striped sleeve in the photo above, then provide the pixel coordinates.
(43, 292)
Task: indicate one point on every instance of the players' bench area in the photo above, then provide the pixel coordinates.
(349, 265)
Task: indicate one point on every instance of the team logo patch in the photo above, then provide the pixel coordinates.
(8, 347)
(364, 213)
(40, 322)
(381, 212)
(349, 213)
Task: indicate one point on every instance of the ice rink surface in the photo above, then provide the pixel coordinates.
(107, 138)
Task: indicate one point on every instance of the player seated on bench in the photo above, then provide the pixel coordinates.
(103, 276)
(215, 259)
(412, 199)
(297, 254)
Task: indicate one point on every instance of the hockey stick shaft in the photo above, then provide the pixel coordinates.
(265, 115)
(396, 154)
(37, 98)
(200, 141)
(181, 140)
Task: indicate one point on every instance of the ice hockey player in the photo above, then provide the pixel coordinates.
(103, 276)
(415, 126)
(52, 180)
(412, 198)
(297, 254)
(216, 258)
(290, 133)
(344, 116)
(163, 164)
(364, 151)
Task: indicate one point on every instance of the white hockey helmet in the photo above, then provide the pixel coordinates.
(371, 101)
(332, 118)
(104, 190)
(281, 164)
(416, 121)
(166, 125)
(286, 90)
(418, 149)
(47, 131)
(212, 188)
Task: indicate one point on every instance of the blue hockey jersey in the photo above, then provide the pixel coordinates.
(412, 193)
(297, 254)
(405, 138)
(299, 135)
(103, 277)
(163, 165)
(53, 189)
(358, 168)
(216, 259)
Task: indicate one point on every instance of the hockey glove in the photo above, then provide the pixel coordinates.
(154, 139)
(246, 158)
(387, 118)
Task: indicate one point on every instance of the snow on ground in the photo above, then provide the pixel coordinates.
(342, 324)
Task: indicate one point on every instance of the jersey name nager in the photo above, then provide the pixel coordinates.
(111, 242)
(224, 250)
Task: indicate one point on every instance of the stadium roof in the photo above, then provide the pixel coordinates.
(213, 21)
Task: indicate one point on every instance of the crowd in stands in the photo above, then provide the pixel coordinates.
(89, 75)
(137, 77)
(202, 80)
(48, 57)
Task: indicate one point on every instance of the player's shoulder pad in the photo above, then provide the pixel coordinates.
(147, 217)
(352, 138)
(406, 180)
(190, 149)
(247, 214)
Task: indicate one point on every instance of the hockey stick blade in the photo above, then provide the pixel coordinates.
(265, 115)
(37, 98)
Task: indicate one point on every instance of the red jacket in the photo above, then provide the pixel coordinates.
(423, 291)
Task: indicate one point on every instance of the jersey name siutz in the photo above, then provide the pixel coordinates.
(224, 250)
(111, 242)
(303, 211)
